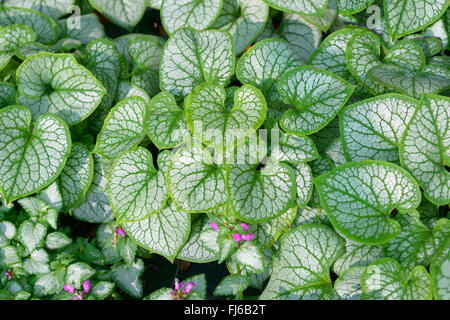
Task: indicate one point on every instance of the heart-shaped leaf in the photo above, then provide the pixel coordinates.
(45, 28)
(195, 183)
(244, 19)
(264, 64)
(90, 28)
(128, 277)
(232, 285)
(51, 8)
(318, 95)
(353, 6)
(308, 7)
(76, 177)
(408, 16)
(357, 255)
(123, 128)
(11, 39)
(30, 159)
(102, 59)
(191, 58)
(302, 36)
(199, 15)
(423, 147)
(260, 195)
(77, 273)
(57, 240)
(56, 83)
(164, 233)
(439, 270)
(222, 125)
(145, 55)
(301, 270)
(294, 149)
(373, 128)
(95, 205)
(126, 89)
(124, 13)
(37, 262)
(135, 188)
(360, 196)
(9, 256)
(31, 235)
(384, 279)
(165, 122)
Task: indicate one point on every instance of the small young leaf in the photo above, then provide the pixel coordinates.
(56, 83)
(102, 290)
(196, 14)
(57, 240)
(77, 273)
(37, 262)
(318, 95)
(30, 159)
(231, 285)
(191, 58)
(250, 256)
(359, 197)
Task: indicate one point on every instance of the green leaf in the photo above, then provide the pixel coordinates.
(164, 233)
(303, 178)
(385, 280)
(357, 255)
(348, 285)
(126, 89)
(423, 147)
(302, 36)
(11, 39)
(165, 122)
(155, 4)
(135, 188)
(301, 270)
(31, 235)
(145, 55)
(90, 28)
(324, 21)
(160, 294)
(9, 256)
(408, 16)
(360, 196)
(318, 95)
(45, 28)
(307, 7)
(7, 232)
(353, 6)
(196, 14)
(231, 285)
(37, 262)
(57, 240)
(77, 273)
(265, 63)
(102, 59)
(373, 128)
(103, 289)
(193, 250)
(51, 8)
(124, 13)
(47, 284)
(7, 94)
(250, 256)
(95, 205)
(362, 54)
(56, 83)
(294, 149)
(223, 126)
(127, 249)
(260, 195)
(128, 278)
(123, 128)
(191, 58)
(76, 177)
(267, 233)
(30, 158)
(195, 183)
(244, 19)
(439, 270)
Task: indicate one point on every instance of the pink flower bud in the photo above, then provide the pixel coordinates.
(176, 284)
(248, 237)
(214, 226)
(69, 288)
(189, 286)
(86, 286)
(237, 237)
(244, 226)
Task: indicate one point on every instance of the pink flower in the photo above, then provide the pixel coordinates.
(176, 284)
(189, 286)
(247, 237)
(214, 226)
(86, 286)
(9, 274)
(244, 226)
(237, 237)
(120, 231)
(78, 297)
(69, 288)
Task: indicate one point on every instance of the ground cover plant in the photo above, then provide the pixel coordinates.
(224, 149)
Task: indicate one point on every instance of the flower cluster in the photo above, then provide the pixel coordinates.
(9, 274)
(78, 295)
(180, 290)
(238, 237)
(118, 230)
